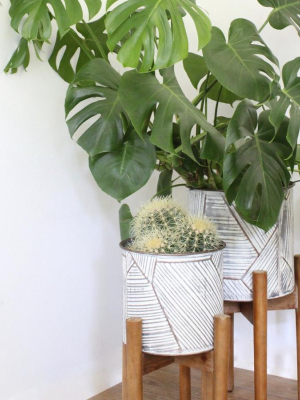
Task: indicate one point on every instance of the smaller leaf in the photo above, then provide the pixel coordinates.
(34, 16)
(237, 64)
(289, 100)
(20, 57)
(213, 147)
(125, 218)
(285, 13)
(254, 173)
(226, 97)
(106, 133)
(124, 171)
(164, 183)
(71, 42)
(196, 68)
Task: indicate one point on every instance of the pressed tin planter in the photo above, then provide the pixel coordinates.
(177, 297)
(249, 248)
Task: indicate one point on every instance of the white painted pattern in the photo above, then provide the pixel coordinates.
(177, 297)
(249, 248)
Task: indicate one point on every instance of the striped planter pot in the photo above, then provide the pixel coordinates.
(177, 297)
(249, 248)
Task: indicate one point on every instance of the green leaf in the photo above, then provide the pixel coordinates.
(106, 133)
(226, 97)
(237, 64)
(284, 13)
(196, 68)
(139, 93)
(21, 57)
(36, 18)
(289, 100)
(254, 174)
(125, 218)
(148, 19)
(71, 42)
(213, 148)
(124, 171)
(164, 183)
(297, 158)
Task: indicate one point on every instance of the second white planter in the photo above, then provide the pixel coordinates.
(177, 297)
(249, 248)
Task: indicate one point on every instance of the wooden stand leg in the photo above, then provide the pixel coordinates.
(221, 356)
(207, 385)
(124, 375)
(231, 355)
(260, 333)
(297, 274)
(134, 359)
(185, 383)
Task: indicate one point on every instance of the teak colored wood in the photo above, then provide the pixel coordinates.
(231, 355)
(185, 382)
(260, 280)
(214, 364)
(256, 313)
(163, 385)
(297, 275)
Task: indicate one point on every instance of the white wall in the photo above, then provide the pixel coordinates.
(60, 270)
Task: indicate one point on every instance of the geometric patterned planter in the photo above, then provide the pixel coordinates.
(177, 297)
(249, 248)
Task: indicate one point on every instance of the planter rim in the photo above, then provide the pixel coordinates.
(124, 242)
(291, 185)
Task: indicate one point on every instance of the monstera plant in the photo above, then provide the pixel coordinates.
(143, 119)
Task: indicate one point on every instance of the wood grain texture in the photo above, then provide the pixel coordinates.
(207, 386)
(134, 358)
(185, 383)
(124, 374)
(221, 356)
(152, 363)
(297, 274)
(164, 385)
(231, 355)
(260, 333)
(203, 361)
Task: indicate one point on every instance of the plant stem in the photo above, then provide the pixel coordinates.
(82, 45)
(199, 96)
(94, 37)
(264, 25)
(193, 140)
(205, 91)
(170, 187)
(217, 106)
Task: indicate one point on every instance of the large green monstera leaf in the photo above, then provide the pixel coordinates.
(254, 172)
(289, 100)
(35, 17)
(238, 64)
(285, 13)
(124, 171)
(151, 23)
(106, 133)
(141, 93)
(196, 69)
(63, 63)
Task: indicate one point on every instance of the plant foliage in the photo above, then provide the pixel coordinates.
(152, 21)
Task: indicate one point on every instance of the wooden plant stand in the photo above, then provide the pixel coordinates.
(213, 364)
(256, 313)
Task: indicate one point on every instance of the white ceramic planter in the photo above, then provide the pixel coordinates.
(249, 248)
(177, 297)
